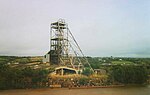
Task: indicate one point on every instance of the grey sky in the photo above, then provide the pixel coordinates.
(101, 27)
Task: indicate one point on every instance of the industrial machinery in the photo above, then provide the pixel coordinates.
(64, 49)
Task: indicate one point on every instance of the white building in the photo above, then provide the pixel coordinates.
(46, 58)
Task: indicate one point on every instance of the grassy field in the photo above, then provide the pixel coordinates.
(122, 62)
(22, 60)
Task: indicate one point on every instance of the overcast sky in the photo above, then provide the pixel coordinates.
(101, 27)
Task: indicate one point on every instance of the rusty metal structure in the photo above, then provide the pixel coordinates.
(64, 49)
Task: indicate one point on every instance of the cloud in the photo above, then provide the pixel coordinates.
(118, 28)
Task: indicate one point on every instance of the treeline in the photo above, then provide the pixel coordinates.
(11, 78)
(124, 74)
(128, 74)
(96, 62)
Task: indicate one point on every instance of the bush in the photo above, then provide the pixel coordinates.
(87, 72)
(129, 74)
(22, 78)
(83, 81)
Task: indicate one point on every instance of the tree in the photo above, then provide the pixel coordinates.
(87, 72)
(129, 74)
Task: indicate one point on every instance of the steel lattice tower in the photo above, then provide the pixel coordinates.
(64, 49)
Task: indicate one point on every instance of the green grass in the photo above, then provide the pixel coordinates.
(12, 59)
(122, 62)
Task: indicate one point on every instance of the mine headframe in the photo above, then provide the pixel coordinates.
(58, 42)
(64, 49)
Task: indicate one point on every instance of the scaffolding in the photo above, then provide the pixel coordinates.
(64, 49)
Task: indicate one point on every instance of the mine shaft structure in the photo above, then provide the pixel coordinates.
(64, 49)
